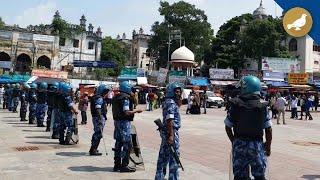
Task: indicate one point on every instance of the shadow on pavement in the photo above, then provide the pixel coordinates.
(311, 177)
(32, 130)
(72, 154)
(37, 142)
(91, 169)
(16, 123)
(39, 137)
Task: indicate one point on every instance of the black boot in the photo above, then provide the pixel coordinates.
(127, 169)
(94, 149)
(117, 164)
(48, 125)
(67, 141)
(61, 138)
(31, 121)
(55, 135)
(125, 164)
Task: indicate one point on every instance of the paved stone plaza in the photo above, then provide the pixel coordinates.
(205, 150)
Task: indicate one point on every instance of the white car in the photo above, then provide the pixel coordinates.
(214, 100)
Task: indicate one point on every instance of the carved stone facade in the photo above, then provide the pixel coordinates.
(23, 49)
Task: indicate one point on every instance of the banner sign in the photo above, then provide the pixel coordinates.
(141, 72)
(298, 78)
(255, 73)
(40, 37)
(273, 76)
(5, 64)
(285, 65)
(221, 73)
(162, 75)
(94, 64)
(178, 76)
(50, 74)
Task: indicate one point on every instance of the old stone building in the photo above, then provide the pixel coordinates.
(24, 49)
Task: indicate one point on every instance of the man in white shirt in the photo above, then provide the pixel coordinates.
(294, 107)
(281, 105)
(1, 94)
(109, 98)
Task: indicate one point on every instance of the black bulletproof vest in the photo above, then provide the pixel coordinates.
(63, 104)
(15, 92)
(117, 107)
(56, 100)
(50, 98)
(41, 97)
(248, 114)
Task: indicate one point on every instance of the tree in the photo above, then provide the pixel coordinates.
(63, 29)
(193, 24)
(263, 38)
(114, 50)
(2, 24)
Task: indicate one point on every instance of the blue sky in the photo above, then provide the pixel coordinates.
(118, 16)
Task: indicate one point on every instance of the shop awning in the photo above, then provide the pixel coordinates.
(199, 81)
(277, 84)
(126, 77)
(223, 83)
(300, 86)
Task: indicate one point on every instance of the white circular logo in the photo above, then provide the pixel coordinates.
(95, 64)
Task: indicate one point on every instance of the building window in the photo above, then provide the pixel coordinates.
(316, 48)
(62, 41)
(293, 45)
(90, 45)
(316, 62)
(76, 43)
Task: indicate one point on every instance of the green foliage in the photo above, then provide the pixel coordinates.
(244, 37)
(196, 31)
(64, 29)
(115, 51)
(2, 24)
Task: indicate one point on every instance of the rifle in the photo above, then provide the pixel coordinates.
(172, 150)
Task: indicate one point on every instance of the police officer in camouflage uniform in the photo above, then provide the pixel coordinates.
(15, 97)
(41, 104)
(99, 116)
(55, 117)
(24, 102)
(66, 120)
(123, 114)
(50, 103)
(172, 123)
(32, 99)
(246, 120)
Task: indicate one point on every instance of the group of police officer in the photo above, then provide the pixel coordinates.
(246, 120)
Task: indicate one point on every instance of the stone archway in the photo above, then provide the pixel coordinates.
(4, 56)
(44, 61)
(23, 63)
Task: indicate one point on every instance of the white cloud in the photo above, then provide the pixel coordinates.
(42, 13)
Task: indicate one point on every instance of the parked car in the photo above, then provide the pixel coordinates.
(214, 100)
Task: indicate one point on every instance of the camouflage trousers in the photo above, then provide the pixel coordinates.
(32, 111)
(165, 158)
(98, 130)
(122, 135)
(23, 110)
(41, 113)
(245, 153)
(15, 103)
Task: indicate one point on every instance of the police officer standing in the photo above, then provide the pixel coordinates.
(15, 97)
(41, 104)
(66, 119)
(32, 99)
(99, 116)
(24, 101)
(170, 134)
(50, 103)
(247, 118)
(123, 113)
(55, 117)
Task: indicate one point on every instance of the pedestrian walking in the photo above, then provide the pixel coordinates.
(245, 125)
(110, 97)
(2, 94)
(302, 105)
(294, 108)
(316, 102)
(308, 106)
(83, 107)
(280, 106)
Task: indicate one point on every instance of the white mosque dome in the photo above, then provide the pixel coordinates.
(182, 54)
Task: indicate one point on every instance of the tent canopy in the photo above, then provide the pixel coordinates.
(199, 81)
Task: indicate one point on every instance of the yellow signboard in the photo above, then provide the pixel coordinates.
(298, 78)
